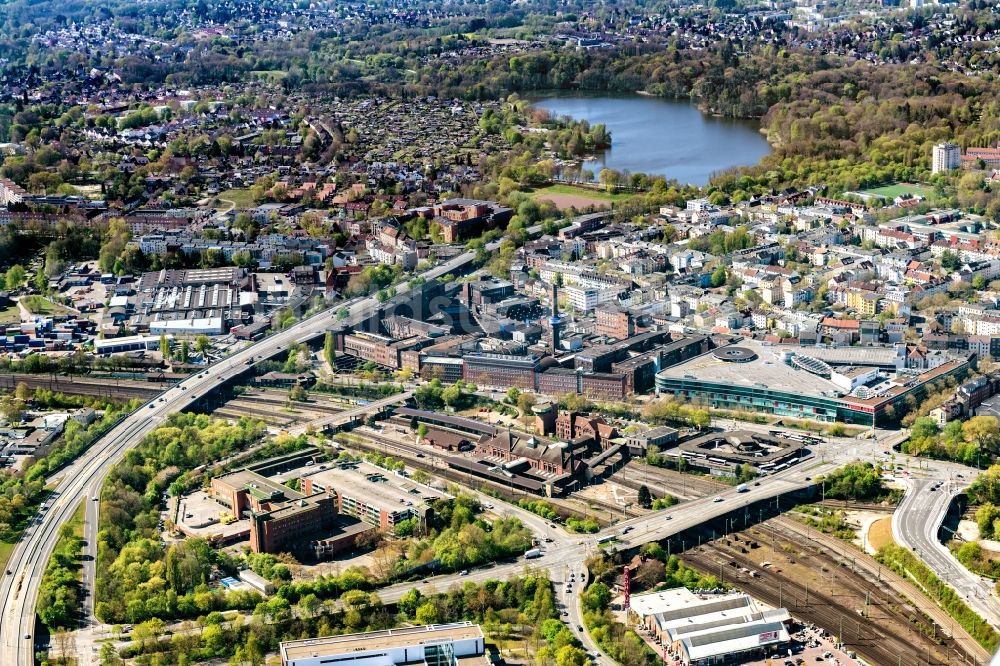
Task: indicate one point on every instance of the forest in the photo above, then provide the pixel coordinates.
(138, 577)
(860, 482)
(831, 118)
(518, 616)
(20, 494)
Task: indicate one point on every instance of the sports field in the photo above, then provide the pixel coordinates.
(899, 189)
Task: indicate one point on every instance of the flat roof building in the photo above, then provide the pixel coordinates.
(373, 494)
(701, 629)
(795, 381)
(457, 644)
(128, 343)
(282, 518)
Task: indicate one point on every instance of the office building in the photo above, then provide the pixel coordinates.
(500, 371)
(372, 494)
(279, 516)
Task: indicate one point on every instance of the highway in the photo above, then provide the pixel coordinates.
(566, 553)
(80, 481)
(914, 524)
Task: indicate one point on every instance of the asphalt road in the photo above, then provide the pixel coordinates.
(915, 525)
(567, 553)
(915, 522)
(19, 590)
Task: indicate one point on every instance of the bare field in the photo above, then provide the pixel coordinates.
(579, 201)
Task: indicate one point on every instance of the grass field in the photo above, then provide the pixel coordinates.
(899, 189)
(241, 198)
(11, 315)
(601, 195)
(269, 74)
(76, 522)
(41, 306)
(566, 196)
(5, 550)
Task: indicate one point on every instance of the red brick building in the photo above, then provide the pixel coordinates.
(542, 456)
(614, 322)
(571, 426)
(604, 386)
(280, 517)
(500, 371)
(466, 218)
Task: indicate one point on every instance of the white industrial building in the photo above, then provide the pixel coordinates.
(704, 629)
(194, 326)
(129, 343)
(457, 644)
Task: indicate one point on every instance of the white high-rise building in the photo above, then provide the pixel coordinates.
(945, 157)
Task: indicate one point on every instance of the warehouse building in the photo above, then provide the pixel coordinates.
(457, 644)
(708, 629)
(129, 343)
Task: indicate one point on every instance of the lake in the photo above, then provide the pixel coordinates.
(663, 137)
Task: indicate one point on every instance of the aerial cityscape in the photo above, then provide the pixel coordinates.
(461, 333)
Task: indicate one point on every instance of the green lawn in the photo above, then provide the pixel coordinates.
(899, 189)
(5, 550)
(585, 192)
(241, 198)
(11, 315)
(269, 74)
(76, 522)
(42, 306)
(563, 188)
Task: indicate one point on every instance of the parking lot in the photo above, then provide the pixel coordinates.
(199, 515)
(815, 650)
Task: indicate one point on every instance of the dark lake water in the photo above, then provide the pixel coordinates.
(663, 137)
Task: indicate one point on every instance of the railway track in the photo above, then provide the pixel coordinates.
(665, 481)
(901, 585)
(271, 409)
(313, 405)
(121, 389)
(270, 418)
(378, 444)
(866, 613)
(297, 411)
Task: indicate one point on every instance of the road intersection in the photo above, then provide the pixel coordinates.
(82, 480)
(567, 553)
(915, 522)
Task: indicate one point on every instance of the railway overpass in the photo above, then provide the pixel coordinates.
(350, 416)
(83, 479)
